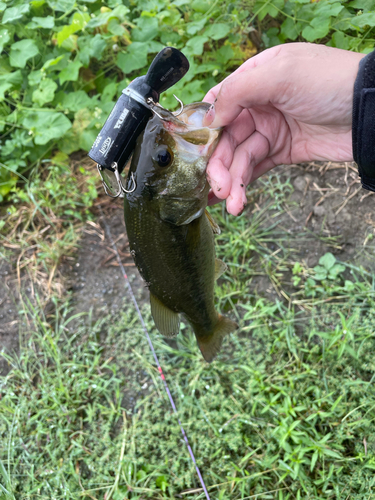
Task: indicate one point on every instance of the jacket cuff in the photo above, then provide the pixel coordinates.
(363, 129)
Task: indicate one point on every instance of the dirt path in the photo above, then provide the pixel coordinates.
(327, 210)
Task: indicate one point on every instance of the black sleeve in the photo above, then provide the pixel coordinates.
(364, 121)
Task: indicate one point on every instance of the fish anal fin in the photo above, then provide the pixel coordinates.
(220, 268)
(166, 321)
(210, 345)
(214, 226)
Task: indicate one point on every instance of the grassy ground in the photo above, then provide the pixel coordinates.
(286, 412)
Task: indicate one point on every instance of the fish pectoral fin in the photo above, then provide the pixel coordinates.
(166, 321)
(215, 228)
(210, 345)
(220, 268)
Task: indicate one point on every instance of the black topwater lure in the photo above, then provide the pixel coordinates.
(129, 117)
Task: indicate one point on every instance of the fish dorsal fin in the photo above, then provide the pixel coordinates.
(220, 268)
(215, 227)
(166, 321)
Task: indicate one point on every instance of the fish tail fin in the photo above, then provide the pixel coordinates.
(210, 344)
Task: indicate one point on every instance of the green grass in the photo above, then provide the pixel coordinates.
(42, 225)
(286, 411)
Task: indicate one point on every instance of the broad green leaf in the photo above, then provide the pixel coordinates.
(61, 5)
(170, 17)
(70, 44)
(78, 23)
(217, 31)
(74, 101)
(22, 51)
(116, 28)
(192, 91)
(195, 26)
(319, 28)
(70, 142)
(324, 9)
(119, 12)
(201, 6)
(289, 29)
(46, 126)
(147, 29)
(224, 54)
(71, 72)
(207, 68)
(4, 87)
(87, 139)
(327, 261)
(15, 78)
(336, 270)
(263, 8)
(3, 6)
(90, 46)
(57, 61)
(366, 5)
(170, 38)
(364, 20)
(195, 45)
(35, 77)
(14, 13)
(47, 22)
(320, 273)
(36, 4)
(340, 40)
(45, 93)
(154, 47)
(4, 38)
(271, 37)
(134, 58)
(109, 92)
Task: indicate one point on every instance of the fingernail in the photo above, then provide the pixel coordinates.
(209, 116)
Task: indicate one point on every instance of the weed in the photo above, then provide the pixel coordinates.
(285, 412)
(43, 224)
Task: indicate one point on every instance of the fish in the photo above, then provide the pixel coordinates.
(170, 232)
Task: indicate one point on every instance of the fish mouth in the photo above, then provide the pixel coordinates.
(189, 120)
(187, 128)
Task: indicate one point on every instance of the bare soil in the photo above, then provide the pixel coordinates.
(327, 210)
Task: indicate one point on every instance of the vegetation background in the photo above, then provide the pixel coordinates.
(288, 411)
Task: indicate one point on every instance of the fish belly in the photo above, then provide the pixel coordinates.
(176, 262)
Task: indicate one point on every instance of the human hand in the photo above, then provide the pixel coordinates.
(288, 104)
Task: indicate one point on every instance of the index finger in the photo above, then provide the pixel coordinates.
(253, 62)
(250, 85)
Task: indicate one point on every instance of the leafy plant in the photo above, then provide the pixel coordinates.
(346, 25)
(328, 268)
(64, 63)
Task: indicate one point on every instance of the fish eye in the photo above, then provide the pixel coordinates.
(163, 156)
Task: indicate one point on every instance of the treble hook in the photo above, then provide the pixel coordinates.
(177, 113)
(154, 104)
(121, 187)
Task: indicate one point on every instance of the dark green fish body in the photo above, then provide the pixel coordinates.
(170, 236)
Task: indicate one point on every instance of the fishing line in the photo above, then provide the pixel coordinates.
(162, 376)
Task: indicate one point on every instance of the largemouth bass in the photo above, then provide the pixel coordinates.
(171, 236)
